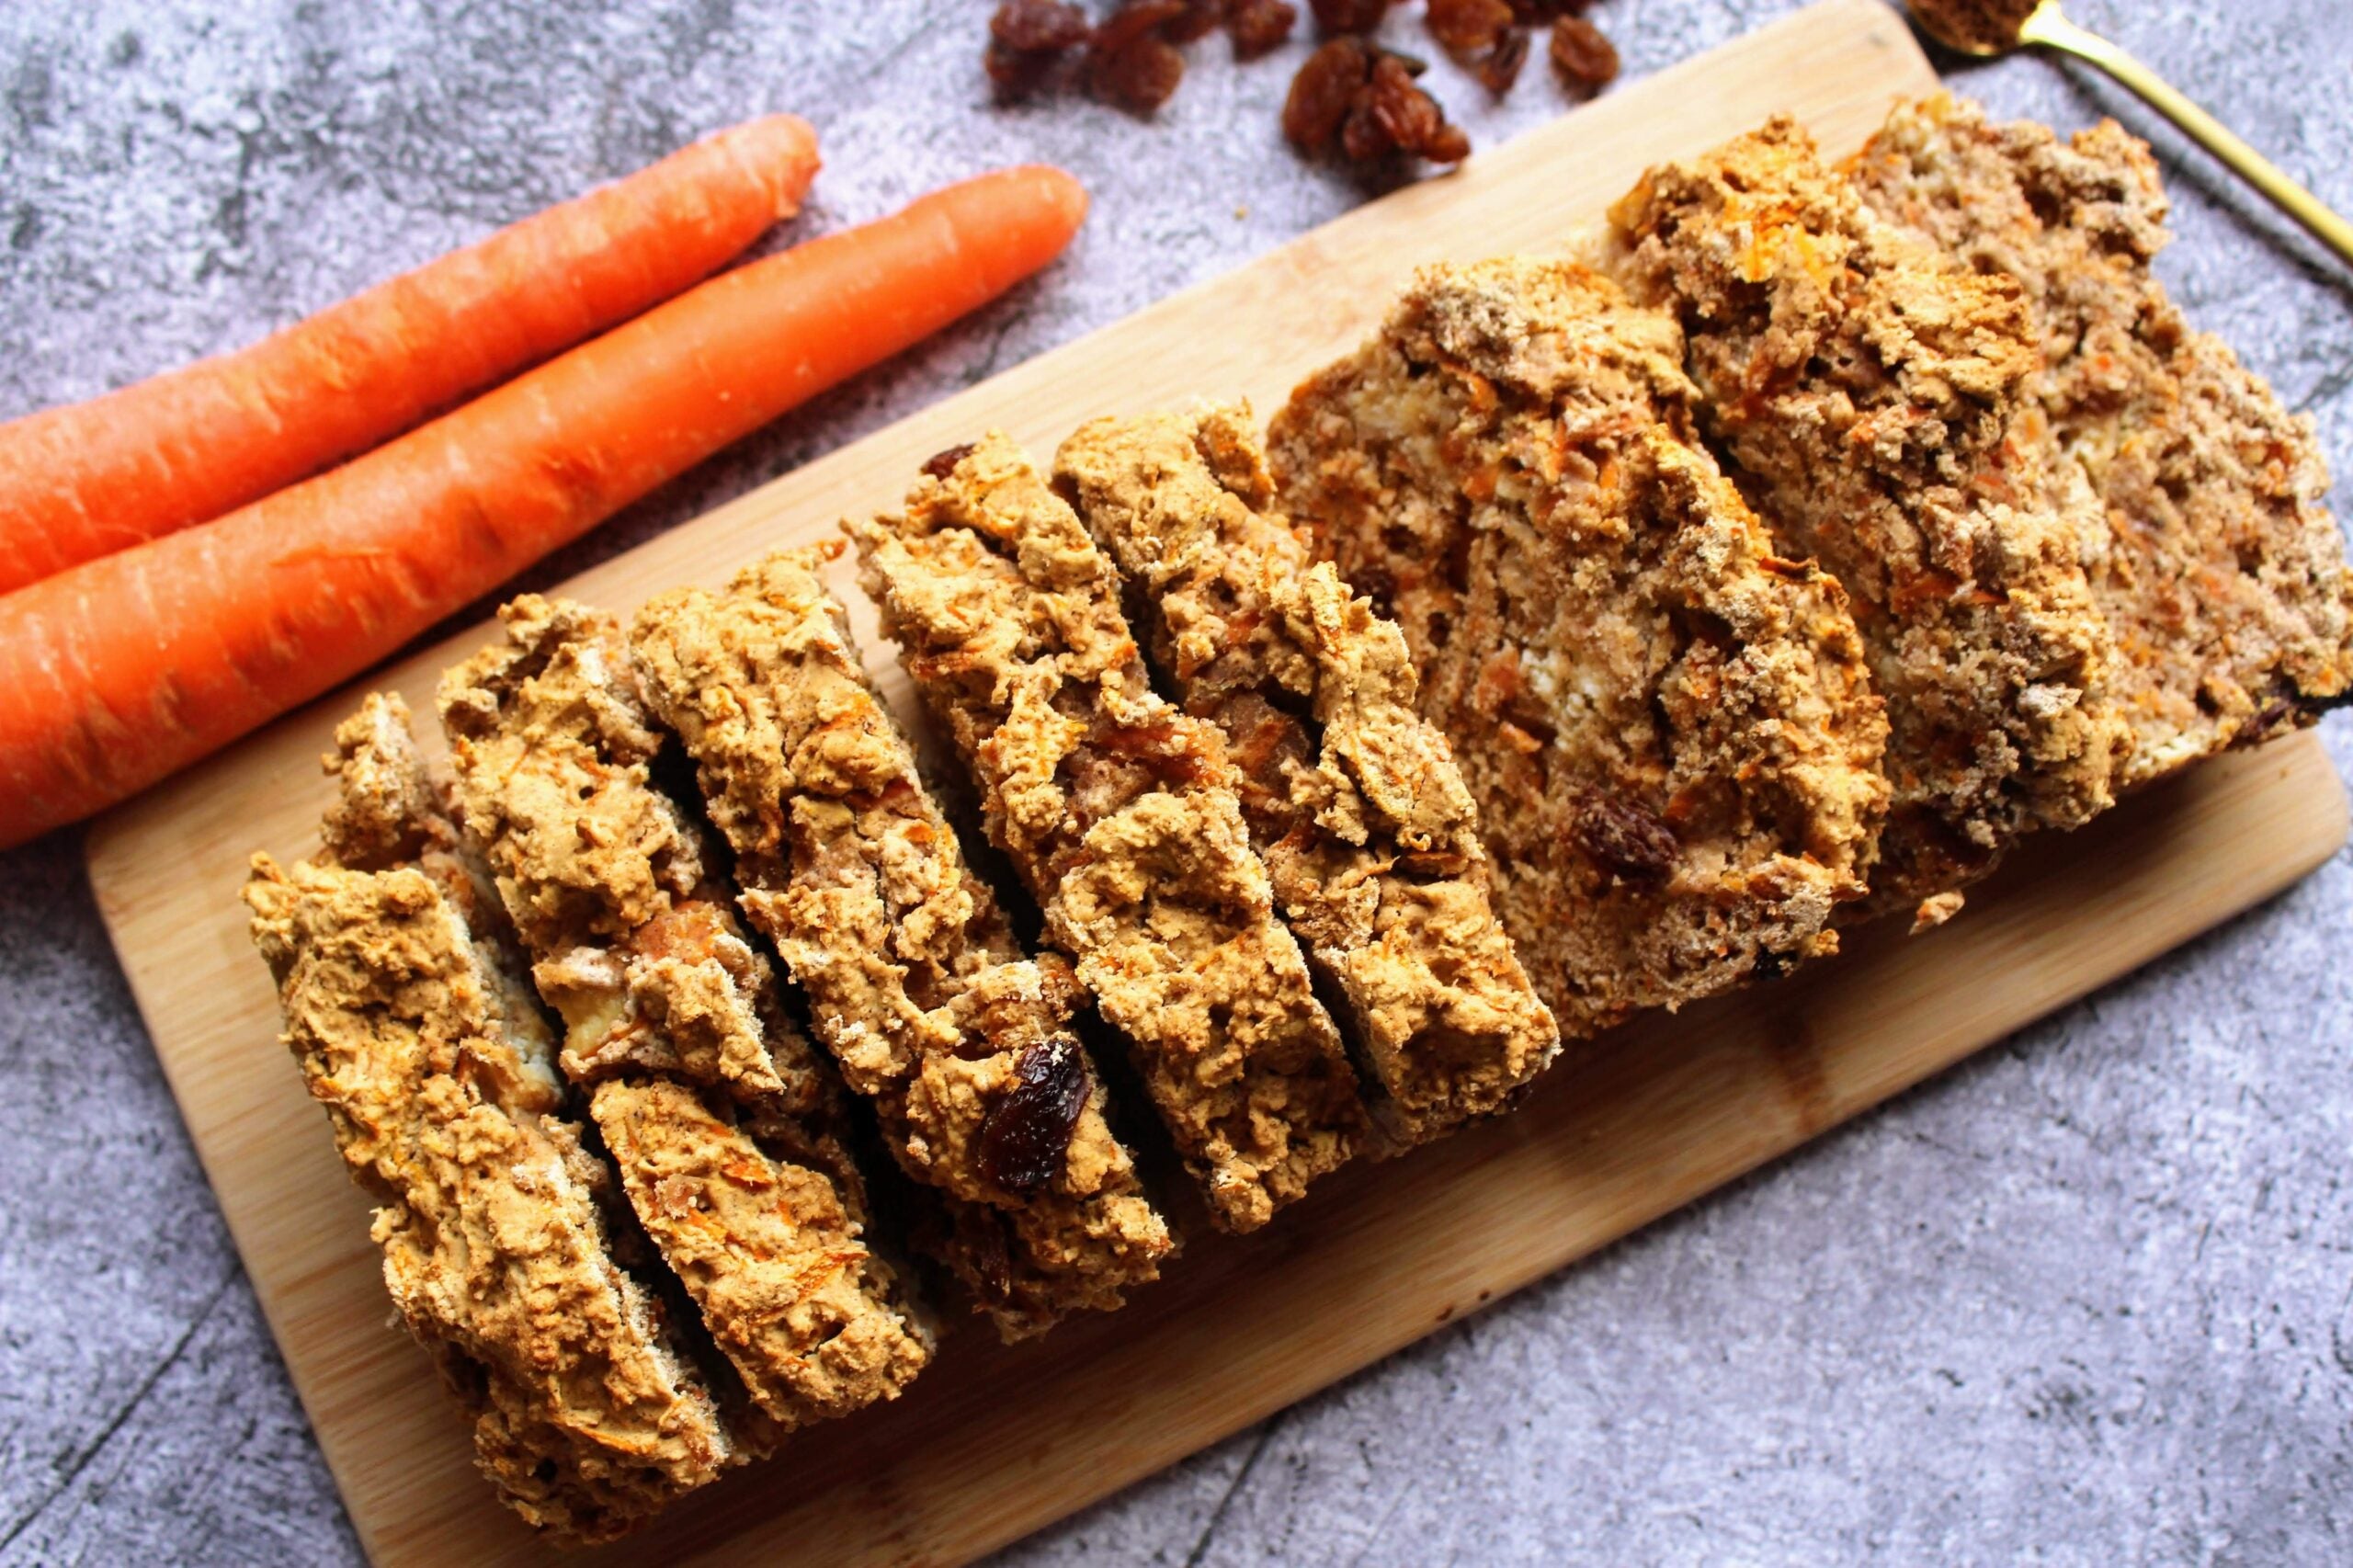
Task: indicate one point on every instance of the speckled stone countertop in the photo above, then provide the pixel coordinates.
(2087, 1298)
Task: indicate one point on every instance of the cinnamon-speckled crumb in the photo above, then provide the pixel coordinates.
(587, 1414)
(1353, 800)
(2195, 496)
(917, 984)
(1122, 814)
(1667, 728)
(725, 1125)
(1873, 390)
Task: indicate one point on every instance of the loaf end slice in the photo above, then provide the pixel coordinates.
(437, 1075)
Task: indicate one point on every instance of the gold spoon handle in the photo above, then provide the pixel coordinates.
(2050, 30)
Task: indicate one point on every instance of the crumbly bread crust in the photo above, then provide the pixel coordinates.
(916, 983)
(2197, 496)
(1353, 799)
(1873, 390)
(438, 1078)
(720, 1116)
(1122, 814)
(1667, 728)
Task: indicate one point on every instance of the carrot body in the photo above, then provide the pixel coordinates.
(123, 669)
(184, 448)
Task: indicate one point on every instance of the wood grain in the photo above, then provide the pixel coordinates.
(992, 1443)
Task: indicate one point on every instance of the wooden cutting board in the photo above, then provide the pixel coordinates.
(992, 1443)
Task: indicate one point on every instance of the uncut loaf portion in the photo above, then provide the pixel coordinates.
(1122, 815)
(726, 1128)
(2195, 496)
(916, 983)
(1666, 725)
(1872, 393)
(410, 1013)
(1353, 800)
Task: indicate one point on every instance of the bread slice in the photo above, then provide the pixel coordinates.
(917, 984)
(1122, 815)
(722, 1121)
(1667, 726)
(1872, 393)
(2196, 497)
(414, 1031)
(1353, 800)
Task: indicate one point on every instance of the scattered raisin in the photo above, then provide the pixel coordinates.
(1132, 64)
(1468, 27)
(1499, 67)
(1392, 114)
(1137, 17)
(1322, 92)
(940, 465)
(1038, 26)
(1026, 1135)
(1140, 77)
(1349, 16)
(1363, 140)
(1623, 838)
(1365, 98)
(1451, 144)
(1196, 21)
(1407, 115)
(1027, 39)
(1014, 73)
(1586, 61)
(1259, 26)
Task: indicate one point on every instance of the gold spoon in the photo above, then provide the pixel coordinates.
(1986, 27)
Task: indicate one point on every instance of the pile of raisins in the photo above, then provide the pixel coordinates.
(1352, 99)
(1130, 58)
(1362, 100)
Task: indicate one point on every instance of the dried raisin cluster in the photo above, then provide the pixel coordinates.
(1363, 101)
(1131, 58)
(1351, 99)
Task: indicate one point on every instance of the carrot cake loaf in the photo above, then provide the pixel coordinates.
(416, 1033)
(1666, 727)
(722, 1121)
(1122, 814)
(918, 985)
(2196, 495)
(1874, 392)
(1353, 799)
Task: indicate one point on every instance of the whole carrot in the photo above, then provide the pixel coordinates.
(119, 671)
(184, 448)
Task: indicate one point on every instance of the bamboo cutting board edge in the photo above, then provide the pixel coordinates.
(165, 869)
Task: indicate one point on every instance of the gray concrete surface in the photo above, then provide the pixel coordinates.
(2088, 1299)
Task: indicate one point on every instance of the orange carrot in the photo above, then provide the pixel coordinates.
(125, 669)
(84, 480)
